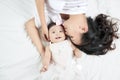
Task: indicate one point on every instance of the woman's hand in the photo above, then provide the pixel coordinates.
(45, 33)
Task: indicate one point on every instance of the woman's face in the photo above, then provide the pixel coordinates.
(76, 38)
(56, 34)
(75, 35)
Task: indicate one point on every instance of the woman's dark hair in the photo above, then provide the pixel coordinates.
(98, 39)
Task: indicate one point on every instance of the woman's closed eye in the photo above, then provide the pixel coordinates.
(71, 37)
(61, 31)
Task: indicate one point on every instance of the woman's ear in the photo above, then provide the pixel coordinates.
(83, 30)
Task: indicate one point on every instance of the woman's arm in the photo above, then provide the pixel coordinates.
(34, 35)
(41, 12)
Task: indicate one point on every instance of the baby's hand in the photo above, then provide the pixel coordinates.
(44, 68)
(77, 53)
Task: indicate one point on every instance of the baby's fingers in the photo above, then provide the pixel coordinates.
(43, 69)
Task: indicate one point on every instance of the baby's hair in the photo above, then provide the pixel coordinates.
(100, 35)
(51, 24)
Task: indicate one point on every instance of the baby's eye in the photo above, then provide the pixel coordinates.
(53, 32)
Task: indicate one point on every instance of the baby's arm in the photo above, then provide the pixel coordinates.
(46, 60)
(76, 51)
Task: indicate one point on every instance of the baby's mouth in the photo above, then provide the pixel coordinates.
(57, 37)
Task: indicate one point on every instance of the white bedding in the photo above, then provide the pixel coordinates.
(19, 59)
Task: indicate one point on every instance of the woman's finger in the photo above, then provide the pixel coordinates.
(43, 37)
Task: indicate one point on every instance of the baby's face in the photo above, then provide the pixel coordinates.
(56, 34)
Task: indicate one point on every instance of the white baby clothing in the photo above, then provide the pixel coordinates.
(64, 66)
